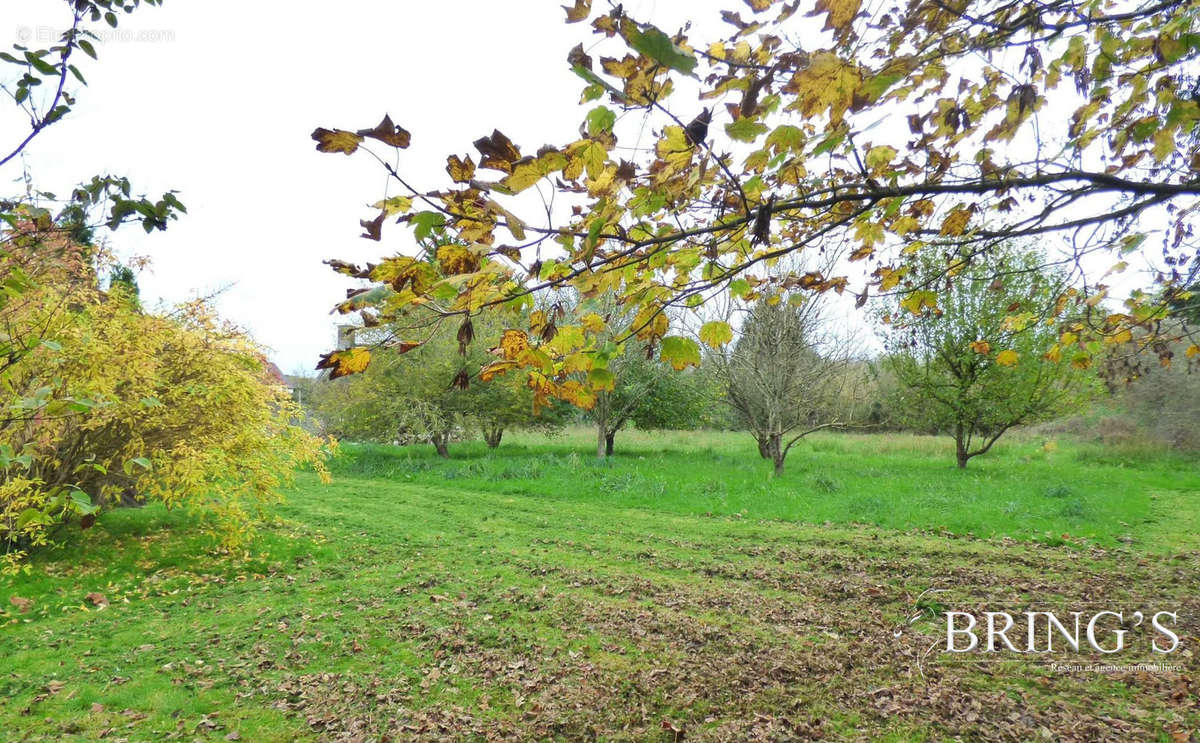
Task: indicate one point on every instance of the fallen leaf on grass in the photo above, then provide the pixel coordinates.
(23, 605)
(98, 600)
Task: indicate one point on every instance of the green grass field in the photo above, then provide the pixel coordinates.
(534, 593)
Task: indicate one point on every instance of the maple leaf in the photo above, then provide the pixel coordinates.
(513, 343)
(457, 259)
(343, 363)
(374, 227)
(716, 334)
(827, 83)
(658, 46)
(680, 352)
(461, 171)
(388, 133)
(956, 221)
(579, 11)
(879, 158)
(497, 152)
(336, 140)
(840, 13)
(490, 371)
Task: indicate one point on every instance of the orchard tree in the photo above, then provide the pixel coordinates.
(647, 393)
(630, 384)
(428, 391)
(992, 355)
(884, 129)
(789, 374)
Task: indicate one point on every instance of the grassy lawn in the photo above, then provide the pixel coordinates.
(534, 593)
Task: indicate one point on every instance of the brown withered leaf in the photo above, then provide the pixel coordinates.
(461, 171)
(98, 600)
(461, 381)
(579, 58)
(373, 227)
(466, 334)
(497, 152)
(404, 346)
(336, 140)
(23, 605)
(349, 269)
(388, 133)
(87, 521)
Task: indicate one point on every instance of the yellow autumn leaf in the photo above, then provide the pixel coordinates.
(1193, 351)
(512, 344)
(716, 334)
(336, 140)
(956, 221)
(579, 11)
(457, 259)
(828, 83)
(343, 363)
(840, 13)
(880, 157)
(1124, 336)
(1008, 358)
(490, 371)
(905, 225)
(461, 171)
(593, 323)
(981, 347)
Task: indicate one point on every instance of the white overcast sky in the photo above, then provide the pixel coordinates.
(221, 106)
(217, 99)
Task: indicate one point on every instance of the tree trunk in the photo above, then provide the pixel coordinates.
(960, 446)
(764, 450)
(601, 439)
(608, 443)
(492, 436)
(776, 452)
(439, 443)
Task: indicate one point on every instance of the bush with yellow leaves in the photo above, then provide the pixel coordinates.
(112, 405)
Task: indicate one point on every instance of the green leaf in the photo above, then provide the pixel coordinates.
(83, 502)
(679, 352)
(424, 223)
(830, 142)
(716, 334)
(601, 379)
(656, 45)
(745, 130)
(141, 462)
(600, 119)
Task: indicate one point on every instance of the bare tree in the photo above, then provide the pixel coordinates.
(789, 374)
